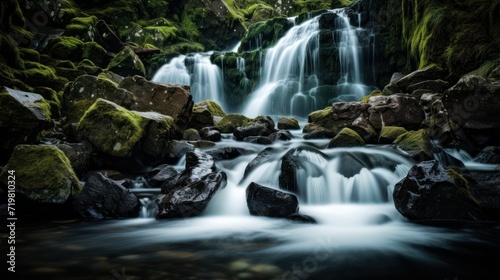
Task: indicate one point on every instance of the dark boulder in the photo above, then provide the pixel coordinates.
(160, 174)
(264, 201)
(485, 186)
(260, 126)
(262, 140)
(428, 192)
(210, 134)
(227, 153)
(489, 155)
(261, 158)
(395, 110)
(102, 197)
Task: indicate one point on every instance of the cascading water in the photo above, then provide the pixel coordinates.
(289, 81)
(205, 78)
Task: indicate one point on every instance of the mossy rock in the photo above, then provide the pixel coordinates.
(127, 63)
(43, 174)
(29, 54)
(321, 116)
(89, 67)
(65, 47)
(266, 33)
(23, 116)
(191, 134)
(231, 121)
(96, 53)
(288, 123)
(37, 74)
(346, 138)
(212, 106)
(82, 28)
(111, 128)
(373, 93)
(390, 133)
(417, 144)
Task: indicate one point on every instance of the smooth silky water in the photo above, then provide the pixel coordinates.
(359, 233)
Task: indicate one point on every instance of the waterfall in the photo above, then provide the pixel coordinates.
(289, 81)
(205, 78)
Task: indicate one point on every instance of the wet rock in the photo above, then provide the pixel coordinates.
(177, 149)
(485, 186)
(260, 126)
(288, 123)
(170, 100)
(428, 192)
(417, 144)
(362, 126)
(158, 132)
(23, 115)
(281, 135)
(43, 174)
(200, 118)
(227, 153)
(261, 158)
(264, 201)
(262, 140)
(192, 195)
(101, 198)
(305, 219)
(489, 155)
(395, 110)
(210, 134)
(160, 174)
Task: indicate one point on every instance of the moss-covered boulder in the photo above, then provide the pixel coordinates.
(158, 32)
(84, 91)
(259, 126)
(43, 174)
(288, 123)
(89, 67)
(23, 115)
(390, 133)
(212, 106)
(191, 135)
(65, 47)
(171, 100)
(82, 28)
(111, 128)
(346, 138)
(127, 63)
(204, 113)
(417, 144)
(231, 121)
(158, 132)
(96, 53)
(107, 38)
(37, 74)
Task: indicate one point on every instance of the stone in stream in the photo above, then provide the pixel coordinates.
(416, 144)
(102, 197)
(160, 174)
(490, 155)
(188, 193)
(264, 201)
(431, 192)
(395, 110)
(227, 153)
(260, 126)
(288, 123)
(210, 134)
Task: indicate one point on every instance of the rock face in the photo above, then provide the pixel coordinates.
(23, 115)
(170, 100)
(127, 63)
(395, 110)
(43, 174)
(189, 193)
(101, 198)
(429, 193)
(263, 201)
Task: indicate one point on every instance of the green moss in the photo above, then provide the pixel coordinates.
(373, 93)
(461, 183)
(211, 106)
(96, 53)
(43, 174)
(112, 129)
(37, 74)
(65, 64)
(127, 63)
(346, 138)
(390, 133)
(29, 54)
(231, 121)
(416, 143)
(265, 34)
(81, 27)
(65, 47)
(320, 115)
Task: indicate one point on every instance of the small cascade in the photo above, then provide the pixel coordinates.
(205, 78)
(289, 81)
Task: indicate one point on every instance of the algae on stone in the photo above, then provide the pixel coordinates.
(417, 144)
(346, 138)
(111, 128)
(43, 174)
(231, 121)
